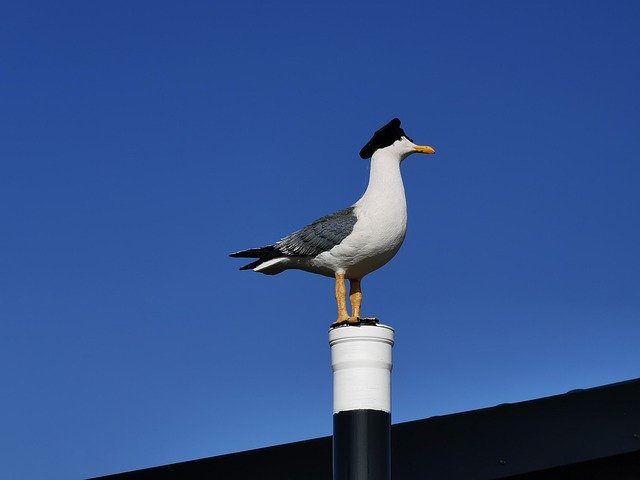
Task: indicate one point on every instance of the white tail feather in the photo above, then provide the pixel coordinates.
(273, 266)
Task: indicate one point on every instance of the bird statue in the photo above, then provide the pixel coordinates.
(357, 240)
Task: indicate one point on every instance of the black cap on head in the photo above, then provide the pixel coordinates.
(383, 138)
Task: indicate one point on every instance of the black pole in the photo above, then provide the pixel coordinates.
(362, 361)
(362, 445)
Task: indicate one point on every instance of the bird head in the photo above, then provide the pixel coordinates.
(393, 139)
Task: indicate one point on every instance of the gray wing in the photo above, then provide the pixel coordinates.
(319, 236)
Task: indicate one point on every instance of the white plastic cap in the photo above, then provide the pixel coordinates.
(361, 359)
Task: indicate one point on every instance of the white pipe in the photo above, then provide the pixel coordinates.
(361, 359)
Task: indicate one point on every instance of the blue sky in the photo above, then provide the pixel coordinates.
(141, 142)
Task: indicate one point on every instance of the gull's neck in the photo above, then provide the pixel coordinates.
(385, 181)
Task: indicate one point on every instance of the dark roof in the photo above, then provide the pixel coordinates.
(586, 434)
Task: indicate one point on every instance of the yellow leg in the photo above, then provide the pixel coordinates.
(355, 297)
(341, 298)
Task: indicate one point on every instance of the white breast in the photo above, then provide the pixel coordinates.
(381, 226)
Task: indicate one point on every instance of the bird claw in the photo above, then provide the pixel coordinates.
(355, 322)
(369, 321)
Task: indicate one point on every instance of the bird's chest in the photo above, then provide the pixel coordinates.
(382, 230)
(377, 235)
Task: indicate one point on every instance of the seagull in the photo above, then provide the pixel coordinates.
(353, 242)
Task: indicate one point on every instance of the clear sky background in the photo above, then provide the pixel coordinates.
(141, 142)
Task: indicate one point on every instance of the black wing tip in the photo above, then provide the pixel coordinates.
(253, 252)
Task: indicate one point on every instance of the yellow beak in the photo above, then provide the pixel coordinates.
(424, 149)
